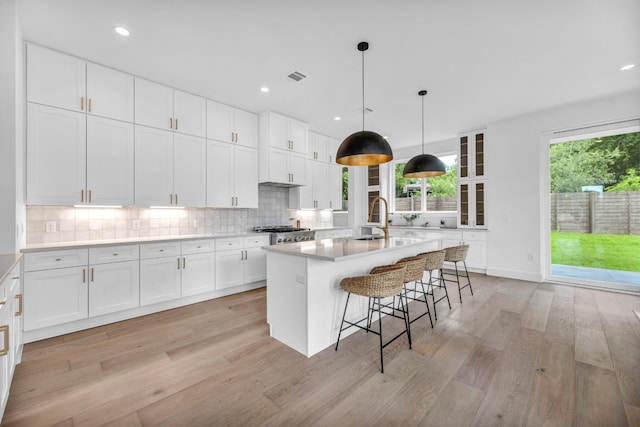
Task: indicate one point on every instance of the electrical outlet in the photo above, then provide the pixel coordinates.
(135, 224)
(301, 279)
(50, 227)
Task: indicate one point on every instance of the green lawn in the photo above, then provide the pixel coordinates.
(608, 251)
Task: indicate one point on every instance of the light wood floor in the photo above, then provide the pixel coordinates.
(516, 353)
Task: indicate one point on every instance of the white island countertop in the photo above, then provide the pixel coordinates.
(342, 249)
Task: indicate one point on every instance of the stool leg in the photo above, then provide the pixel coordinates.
(342, 323)
(380, 325)
(458, 280)
(468, 278)
(405, 308)
(444, 285)
(426, 302)
(433, 296)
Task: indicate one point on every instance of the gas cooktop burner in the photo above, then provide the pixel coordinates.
(277, 228)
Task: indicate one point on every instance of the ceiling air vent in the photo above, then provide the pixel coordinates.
(295, 76)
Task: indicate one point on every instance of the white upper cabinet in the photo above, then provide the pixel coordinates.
(162, 107)
(232, 176)
(56, 156)
(169, 168)
(110, 162)
(228, 124)
(109, 93)
(55, 79)
(278, 131)
(318, 147)
(189, 114)
(334, 192)
(62, 81)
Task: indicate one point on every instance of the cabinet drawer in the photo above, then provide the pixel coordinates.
(256, 241)
(7, 284)
(197, 246)
(113, 254)
(232, 243)
(157, 250)
(474, 235)
(46, 260)
(452, 235)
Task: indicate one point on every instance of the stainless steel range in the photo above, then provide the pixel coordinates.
(281, 234)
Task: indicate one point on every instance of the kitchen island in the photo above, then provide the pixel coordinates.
(304, 299)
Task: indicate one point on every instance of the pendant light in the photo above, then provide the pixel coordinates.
(364, 148)
(423, 165)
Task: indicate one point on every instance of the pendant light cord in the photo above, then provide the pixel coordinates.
(422, 124)
(363, 91)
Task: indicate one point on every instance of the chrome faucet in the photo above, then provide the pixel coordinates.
(385, 228)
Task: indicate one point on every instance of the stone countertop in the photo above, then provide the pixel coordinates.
(435, 228)
(7, 262)
(343, 249)
(132, 240)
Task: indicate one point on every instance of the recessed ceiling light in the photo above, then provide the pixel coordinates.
(122, 31)
(264, 89)
(627, 67)
(337, 118)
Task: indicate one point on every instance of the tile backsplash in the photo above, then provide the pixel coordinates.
(54, 224)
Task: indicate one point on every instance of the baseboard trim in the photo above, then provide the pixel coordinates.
(515, 274)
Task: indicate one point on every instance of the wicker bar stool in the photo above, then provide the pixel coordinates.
(385, 283)
(456, 254)
(415, 271)
(434, 262)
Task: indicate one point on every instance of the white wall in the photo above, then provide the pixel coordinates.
(517, 182)
(12, 209)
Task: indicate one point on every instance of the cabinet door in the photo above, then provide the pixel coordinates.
(464, 205)
(109, 93)
(17, 317)
(153, 167)
(159, 280)
(55, 79)
(279, 166)
(255, 265)
(478, 155)
(52, 297)
(5, 356)
(320, 177)
(189, 114)
(189, 170)
(153, 104)
(110, 157)
(334, 192)
(229, 268)
(113, 287)
(246, 128)
(198, 273)
(219, 122)
(220, 174)
(477, 255)
(298, 168)
(298, 136)
(463, 157)
(478, 204)
(56, 156)
(246, 177)
(278, 131)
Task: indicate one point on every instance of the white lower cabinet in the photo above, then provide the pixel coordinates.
(11, 316)
(477, 241)
(198, 267)
(160, 265)
(114, 287)
(240, 260)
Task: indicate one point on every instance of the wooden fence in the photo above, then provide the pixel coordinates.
(598, 213)
(444, 203)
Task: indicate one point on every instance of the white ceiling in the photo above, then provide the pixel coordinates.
(481, 61)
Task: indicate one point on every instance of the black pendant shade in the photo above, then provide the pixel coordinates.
(423, 165)
(364, 148)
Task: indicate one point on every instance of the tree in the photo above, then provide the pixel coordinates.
(631, 182)
(576, 164)
(444, 185)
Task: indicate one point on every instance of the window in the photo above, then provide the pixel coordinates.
(437, 194)
(345, 189)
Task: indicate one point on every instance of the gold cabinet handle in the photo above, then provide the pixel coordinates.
(5, 348)
(176, 196)
(89, 104)
(89, 196)
(176, 124)
(92, 274)
(19, 298)
(184, 262)
(82, 196)
(178, 263)
(170, 199)
(82, 103)
(84, 275)
(170, 122)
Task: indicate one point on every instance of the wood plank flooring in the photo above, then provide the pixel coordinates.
(516, 353)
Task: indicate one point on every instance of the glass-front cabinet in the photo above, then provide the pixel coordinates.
(471, 184)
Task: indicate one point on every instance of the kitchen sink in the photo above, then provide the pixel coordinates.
(372, 237)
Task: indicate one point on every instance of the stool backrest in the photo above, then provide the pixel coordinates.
(456, 253)
(415, 267)
(434, 260)
(386, 283)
